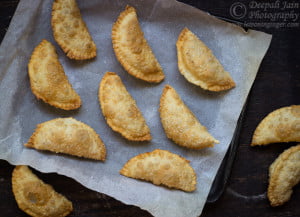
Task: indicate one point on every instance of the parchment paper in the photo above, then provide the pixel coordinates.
(161, 20)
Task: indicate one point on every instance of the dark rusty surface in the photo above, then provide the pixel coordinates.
(277, 84)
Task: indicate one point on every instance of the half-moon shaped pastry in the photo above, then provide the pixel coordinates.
(132, 49)
(180, 124)
(162, 168)
(120, 109)
(68, 136)
(199, 66)
(48, 80)
(284, 174)
(35, 197)
(70, 31)
(281, 125)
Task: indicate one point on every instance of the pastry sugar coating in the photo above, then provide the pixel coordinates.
(120, 109)
(199, 66)
(162, 168)
(70, 31)
(132, 49)
(284, 174)
(281, 125)
(35, 197)
(68, 136)
(48, 80)
(180, 124)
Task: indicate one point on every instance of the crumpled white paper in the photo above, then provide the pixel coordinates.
(161, 20)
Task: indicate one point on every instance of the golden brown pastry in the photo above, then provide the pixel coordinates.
(68, 136)
(199, 66)
(162, 168)
(180, 124)
(284, 174)
(48, 80)
(132, 49)
(70, 31)
(35, 197)
(120, 109)
(281, 125)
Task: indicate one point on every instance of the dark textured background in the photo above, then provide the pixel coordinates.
(277, 84)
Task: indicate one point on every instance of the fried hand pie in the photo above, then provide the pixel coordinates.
(281, 125)
(120, 109)
(70, 31)
(48, 80)
(68, 136)
(284, 174)
(162, 168)
(35, 197)
(180, 124)
(132, 49)
(199, 66)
